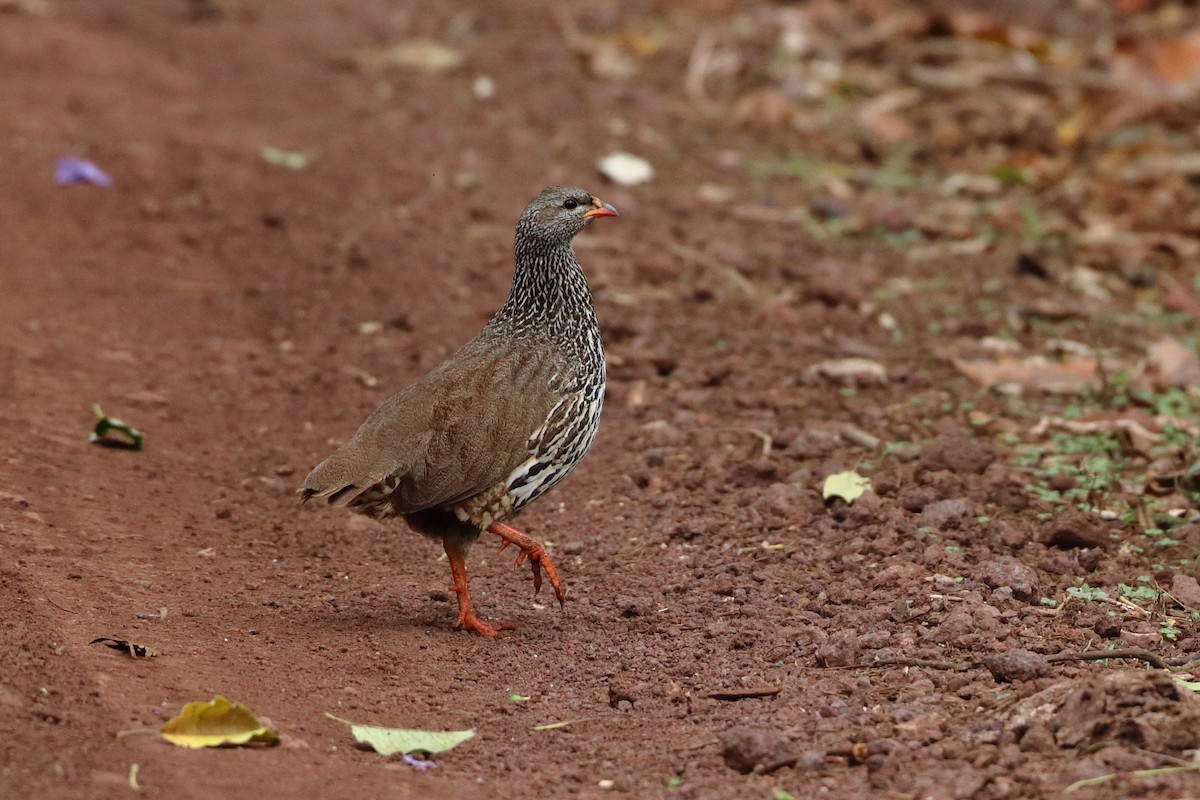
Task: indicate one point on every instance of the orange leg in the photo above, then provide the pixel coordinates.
(539, 559)
(466, 615)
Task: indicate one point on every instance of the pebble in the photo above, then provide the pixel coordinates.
(1076, 529)
(947, 513)
(856, 372)
(783, 504)
(915, 498)
(1016, 665)
(1006, 571)
(1186, 590)
(841, 649)
(956, 454)
(1107, 627)
(746, 747)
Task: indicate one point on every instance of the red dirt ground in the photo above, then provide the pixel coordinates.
(215, 301)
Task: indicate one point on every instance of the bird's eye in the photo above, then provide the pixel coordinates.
(570, 203)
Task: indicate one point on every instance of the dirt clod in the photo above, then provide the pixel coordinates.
(947, 514)
(1007, 571)
(1016, 665)
(1075, 529)
(746, 748)
(1186, 590)
(956, 454)
(1108, 627)
(1143, 709)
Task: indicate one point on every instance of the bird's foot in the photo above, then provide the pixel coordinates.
(466, 614)
(467, 621)
(532, 549)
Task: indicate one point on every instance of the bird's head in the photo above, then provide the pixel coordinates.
(560, 212)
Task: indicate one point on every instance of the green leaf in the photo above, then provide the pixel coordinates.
(387, 741)
(518, 698)
(217, 723)
(284, 158)
(847, 485)
(104, 427)
(1086, 593)
(1191, 686)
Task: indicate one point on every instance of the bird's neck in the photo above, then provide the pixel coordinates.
(549, 294)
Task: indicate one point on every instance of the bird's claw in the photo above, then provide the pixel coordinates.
(470, 622)
(539, 559)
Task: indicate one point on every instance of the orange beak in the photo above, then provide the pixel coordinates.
(600, 209)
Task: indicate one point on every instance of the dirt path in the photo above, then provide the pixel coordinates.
(218, 302)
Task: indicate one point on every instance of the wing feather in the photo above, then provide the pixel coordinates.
(457, 432)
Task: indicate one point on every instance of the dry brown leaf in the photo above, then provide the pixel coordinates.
(1174, 363)
(1132, 434)
(1177, 60)
(1035, 372)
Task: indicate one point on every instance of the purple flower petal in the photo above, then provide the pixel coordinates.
(418, 763)
(70, 169)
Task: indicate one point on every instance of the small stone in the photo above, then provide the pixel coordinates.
(855, 372)
(783, 504)
(1076, 529)
(956, 625)
(1006, 571)
(1108, 627)
(1016, 665)
(1186, 590)
(746, 747)
(956, 454)
(915, 498)
(1143, 639)
(947, 514)
(841, 649)
(833, 290)
(620, 692)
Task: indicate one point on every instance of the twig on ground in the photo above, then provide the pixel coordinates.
(1183, 661)
(1152, 659)
(858, 436)
(50, 600)
(1140, 773)
(744, 694)
(953, 666)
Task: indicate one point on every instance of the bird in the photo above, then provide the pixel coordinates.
(510, 414)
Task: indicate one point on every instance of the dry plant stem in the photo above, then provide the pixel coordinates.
(955, 666)
(1152, 659)
(858, 436)
(743, 694)
(1141, 773)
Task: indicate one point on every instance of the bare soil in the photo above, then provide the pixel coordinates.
(728, 633)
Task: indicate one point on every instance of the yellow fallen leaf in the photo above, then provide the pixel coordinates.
(847, 485)
(217, 723)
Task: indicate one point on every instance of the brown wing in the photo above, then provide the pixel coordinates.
(461, 429)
